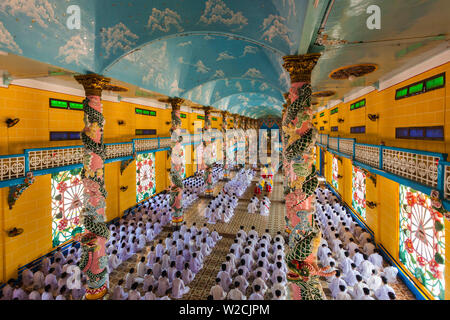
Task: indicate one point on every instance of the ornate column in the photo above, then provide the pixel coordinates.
(93, 260)
(299, 137)
(225, 143)
(177, 161)
(207, 156)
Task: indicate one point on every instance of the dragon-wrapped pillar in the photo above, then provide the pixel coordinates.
(177, 162)
(299, 137)
(93, 260)
(225, 144)
(208, 154)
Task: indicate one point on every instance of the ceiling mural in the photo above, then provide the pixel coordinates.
(405, 38)
(212, 51)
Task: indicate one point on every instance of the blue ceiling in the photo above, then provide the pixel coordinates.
(208, 51)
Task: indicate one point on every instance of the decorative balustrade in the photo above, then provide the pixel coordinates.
(165, 142)
(323, 138)
(420, 167)
(333, 143)
(415, 165)
(119, 150)
(145, 144)
(368, 154)
(46, 158)
(346, 146)
(12, 167)
(447, 182)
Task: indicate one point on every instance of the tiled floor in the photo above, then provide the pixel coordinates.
(205, 279)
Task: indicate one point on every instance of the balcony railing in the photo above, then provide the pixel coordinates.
(45, 160)
(426, 168)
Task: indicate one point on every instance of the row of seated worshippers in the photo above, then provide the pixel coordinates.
(138, 229)
(263, 205)
(196, 183)
(56, 280)
(256, 260)
(52, 281)
(350, 251)
(169, 266)
(222, 207)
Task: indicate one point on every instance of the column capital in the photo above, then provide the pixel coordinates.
(94, 84)
(300, 67)
(175, 102)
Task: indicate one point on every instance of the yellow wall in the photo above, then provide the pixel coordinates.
(383, 220)
(32, 211)
(427, 109)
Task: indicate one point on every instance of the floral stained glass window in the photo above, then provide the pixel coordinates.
(359, 191)
(67, 203)
(145, 176)
(422, 240)
(334, 173)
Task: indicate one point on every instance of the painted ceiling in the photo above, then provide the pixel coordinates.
(411, 31)
(222, 53)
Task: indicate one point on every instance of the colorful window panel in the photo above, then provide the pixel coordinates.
(359, 191)
(422, 240)
(145, 176)
(335, 172)
(67, 203)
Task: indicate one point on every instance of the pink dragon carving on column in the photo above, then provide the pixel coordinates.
(298, 137)
(176, 154)
(93, 260)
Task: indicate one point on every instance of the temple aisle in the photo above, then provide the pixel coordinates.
(205, 278)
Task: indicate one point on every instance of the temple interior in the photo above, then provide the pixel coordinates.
(224, 150)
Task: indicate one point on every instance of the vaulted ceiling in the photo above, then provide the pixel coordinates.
(222, 53)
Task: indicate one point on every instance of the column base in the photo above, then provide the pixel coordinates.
(96, 294)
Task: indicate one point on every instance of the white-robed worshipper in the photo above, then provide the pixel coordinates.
(259, 281)
(256, 295)
(374, 282)
(149, 280)
(243, 283)
(47, 294)
(336, 281)
(131, 278)
(187, 274)
(279, 286)
(376, 259)
(163, 284)
(178, 286)
(34, 295)
(51, 280)
(38, 279)
(264, 208)
(134, 294)
(235, 293)
(27, 277)
(113, 261)
(382, 293)
(225, 278)
(350, 276)
(367, 295)
(358, 289)
(252, 206)
(343, 294)
(141, 268)
(217, 291)
(390, 273)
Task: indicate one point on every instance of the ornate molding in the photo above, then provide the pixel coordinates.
(16, 191)
(94, 84)
(300, 66)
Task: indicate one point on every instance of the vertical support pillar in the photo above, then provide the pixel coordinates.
(93, 260)
(225, 143)
(208, 152)
(177, 162)
(299, 138)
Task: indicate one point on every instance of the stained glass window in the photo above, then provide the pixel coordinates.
(335, 172)
(422, 240)
(359, 191)
(67, 203)
(145, 176)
